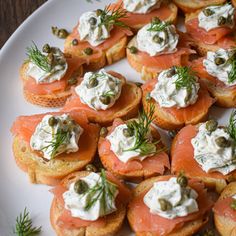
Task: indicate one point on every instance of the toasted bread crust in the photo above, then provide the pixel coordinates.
(57, 99)
(188, 228)
(114, 221)
(225, 225)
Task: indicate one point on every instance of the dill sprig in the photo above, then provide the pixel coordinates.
(232, 74)
(35, 55)
(186, 78)
(231, 128)
(158, 25)
(110, 17)
(102, 190)
(109, 93)
(24, 225)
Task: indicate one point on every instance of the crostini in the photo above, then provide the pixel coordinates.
(169, 205)
(100, 37)
(50, 146)
(225, 211)
(88, 203)
(218, 72)
(104, 96)
(133, 149)
(48, 75)
(156, 47)
(178, 98)
(140, 13)
(206, 151)
(210, 26)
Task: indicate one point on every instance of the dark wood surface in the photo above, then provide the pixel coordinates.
(13, 13)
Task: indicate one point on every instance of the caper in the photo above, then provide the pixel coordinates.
(88, 51)
(208, 12)
(164, 204)
(62, 33)
(172, 133)
(139, 84)
(233, 204)
(211, 125)
(61, 61)
(182, 180)
(229, 20)
(80, 186)
(75, 42)
(52, 121)
(127, 132)
(222, 20)
(105, 99)
(93, 82)
(46, 48)
(133, 49)
(156, 20)
(209, 232)
(99, 12)
(157, 39)
(50, 58)
(111, 84)
(222, 142)
(219, 61)
(91, 167)
(171, 72)
(92, 21)
(55, 30)
(72, 81)
(103, 132)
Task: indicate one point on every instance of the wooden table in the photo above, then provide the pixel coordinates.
(13, 13)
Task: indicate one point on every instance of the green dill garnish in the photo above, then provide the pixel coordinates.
(109, 93)
(232, 74)
(158, 25)
(24, 225)
(231, 128)
(101, 191)
(186, 78)
(35, 56)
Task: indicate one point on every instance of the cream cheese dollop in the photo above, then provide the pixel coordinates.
(166, 94)
(99, 90)
(90, 28)
(209, 155)
(141, 6)
(210, 17)
(168, 40)
(46, 134)
(76, 203)
(220, 71)
(57, 72)
(182, 199)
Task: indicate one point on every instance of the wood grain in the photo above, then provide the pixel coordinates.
(13, 13)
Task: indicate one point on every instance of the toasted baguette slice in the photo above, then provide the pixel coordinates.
(188, 6)
(126, 106)
(187, 229)
(225, 225)
(114, 221)
(54, 99)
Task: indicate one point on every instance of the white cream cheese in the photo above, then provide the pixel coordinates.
(166, 94)
(141, 6)
(211, 19)
(183, 200)
(91, 29)
(65, 132)
(209, 155)
(234, 196)
(120, 143)
(76, 203)
(105, 87)
(221, 71)
(167, 44)
(57, 71)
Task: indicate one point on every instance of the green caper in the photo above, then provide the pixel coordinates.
(103, 132)
(157, 39)
(211, 125)
(222, 142)
(139, 84)
(127, 132)
(219, 61)
(156, 20)
(164, 204)
(182, 180)
(105, 99)
(88, 51)
(233, 204)
(62, 33)
(50, 58)
(80, 186)
(209, 232)
(91, 167)
(99, 12)
(92, 21)
(172, 133)
(208, 12)
(55, 30)
(61, 61)
(133, 49)
(93, 82)
(111, 84)
(229, 20)
(148, 96)
(72, 81)
(171, 72)
(75, 42)
(46, 48)
(222, 20)
(52, 121)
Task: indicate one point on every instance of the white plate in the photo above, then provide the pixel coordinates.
(16, 191)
